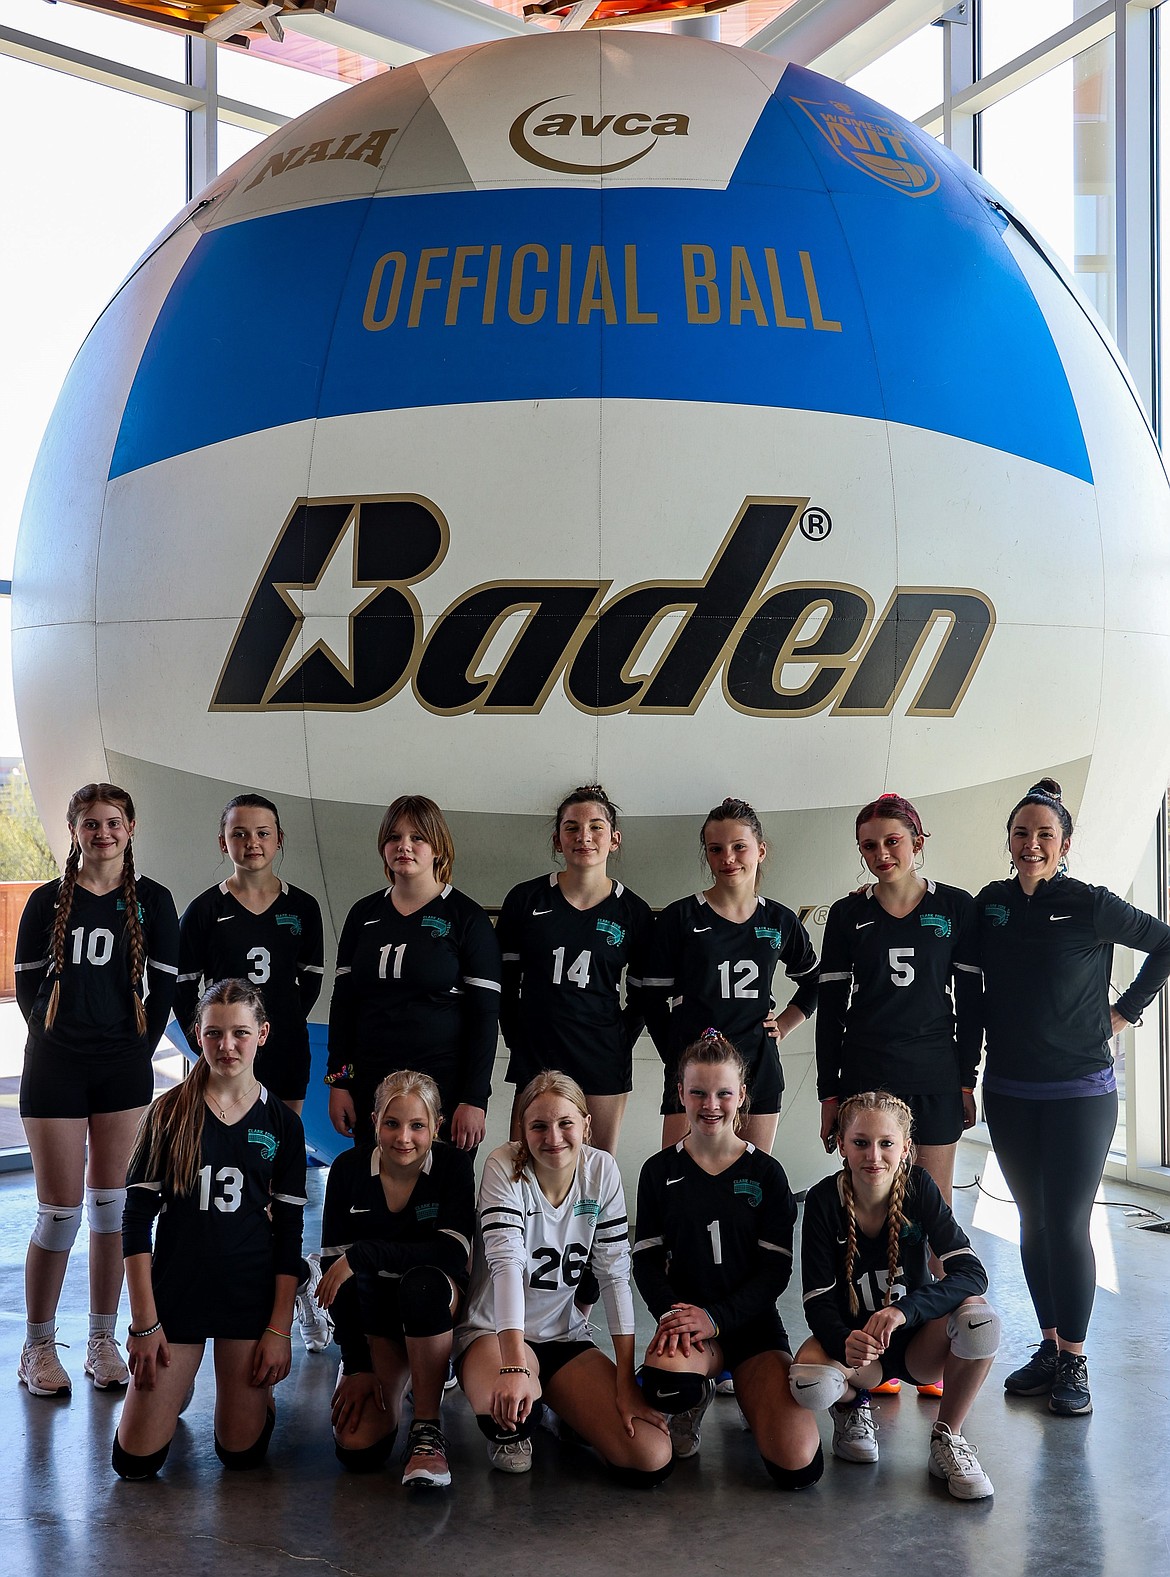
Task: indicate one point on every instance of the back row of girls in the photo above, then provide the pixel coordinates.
(420, 983)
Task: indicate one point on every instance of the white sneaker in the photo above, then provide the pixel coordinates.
(953, 1458)
(511, 1456)
(854, 1431)
(724, 1384)
(42, 1371)
(686, 1429)
(316, 1326)
(104, 1364)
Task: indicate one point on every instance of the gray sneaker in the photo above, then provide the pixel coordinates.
(511, 1456)
(316, 1326)
(686, 1429)
(854, 1431)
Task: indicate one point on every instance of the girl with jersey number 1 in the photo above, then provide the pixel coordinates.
(712, 958)
(254, 926)
(549, 1207)
(221, 1163)
(566, 941)
(713, 1254)
(96, 957)
(417, 983)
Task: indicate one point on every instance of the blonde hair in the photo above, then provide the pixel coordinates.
(407, 1082)
(170, 1136)
(711, 1049)
(84, 800)
(550, 1082)
(427, 819)
(890, 1106)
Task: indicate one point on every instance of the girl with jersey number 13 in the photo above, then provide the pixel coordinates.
(96, 959)
(712, 958)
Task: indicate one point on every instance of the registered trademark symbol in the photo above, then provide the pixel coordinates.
(815, 524)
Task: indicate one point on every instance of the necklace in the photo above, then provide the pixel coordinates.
(222, 1111)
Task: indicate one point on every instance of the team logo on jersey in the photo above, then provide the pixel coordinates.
(428, 1212)
(739, 632)
(432, 922)
(997, 913)
(938, 923)
(614, 933)
(293, 921)
(267, 1141)
(769, 933)
(875, 144)
(586, 1207)
(750, 1189)
(121, 905)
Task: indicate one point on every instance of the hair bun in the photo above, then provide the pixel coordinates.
(1047, 786)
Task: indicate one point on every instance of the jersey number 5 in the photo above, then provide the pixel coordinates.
(901, 969)
(549, 1261)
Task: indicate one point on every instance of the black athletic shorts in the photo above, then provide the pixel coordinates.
(553, 1356)
(58, 1083)
(764, 1081)
(381, 1309)
(765, 1333)
(284, 1074)
(604, 1072)
(893, 1360)
(238, 1309)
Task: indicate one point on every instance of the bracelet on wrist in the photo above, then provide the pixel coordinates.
(148, 1330)
(517, 1368)
(274, 1332)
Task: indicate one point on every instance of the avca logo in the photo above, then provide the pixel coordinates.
(570, 143)
(876, 144)
(333, 625)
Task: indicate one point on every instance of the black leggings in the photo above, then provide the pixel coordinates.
(1052, 1154)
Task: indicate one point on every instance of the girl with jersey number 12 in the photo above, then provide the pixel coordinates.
(96, 958)
(712, 958)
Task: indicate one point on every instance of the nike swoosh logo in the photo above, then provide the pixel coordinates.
(863, 924)
(374, 921)
(1060, 916)
(542, 911)
(804, 1385)
(842, 1241)
(669, 1393)
(220, 918)
(979, 1327)
(533, 1212)
(103, 1201)
(671, 1180)
(359, 1210)
(61, 1218)
(699, 929)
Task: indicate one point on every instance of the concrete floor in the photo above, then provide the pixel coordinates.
(1073, 1496)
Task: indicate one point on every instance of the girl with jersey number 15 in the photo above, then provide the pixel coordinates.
(712, 958)
(96, 957)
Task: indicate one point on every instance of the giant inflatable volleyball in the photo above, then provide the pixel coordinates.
(592, 406)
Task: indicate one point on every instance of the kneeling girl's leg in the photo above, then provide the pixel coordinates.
(149, 1418)
(428, 1300)
(817, 1381)
(584, 1394)
(785, 1433)
(479, 1375)
(364, 1422)
(958, 1349)
(244, 1411)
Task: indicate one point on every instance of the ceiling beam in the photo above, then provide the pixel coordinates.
(841, 37)
(399, 31)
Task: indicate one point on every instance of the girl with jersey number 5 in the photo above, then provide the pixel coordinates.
(417, 983)
(873, 1307)
(221, 1163)
(549, 1206)
(96, 957)
(713, 1253)
(712, 958)
(566, 941)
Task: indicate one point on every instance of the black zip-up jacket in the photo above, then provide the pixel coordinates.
(1046, 966)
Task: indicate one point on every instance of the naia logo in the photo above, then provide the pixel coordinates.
(569, 143)
(876, 144)
(333, 624)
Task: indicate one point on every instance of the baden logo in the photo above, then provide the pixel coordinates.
(876, 144)
(570, 143)
(333, 625)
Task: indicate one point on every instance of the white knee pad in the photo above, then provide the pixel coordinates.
(974, 1331)
(816, 1385)
(104, 1207)
(57, 1226)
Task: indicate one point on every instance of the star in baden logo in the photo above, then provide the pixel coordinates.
(879, 145)
(325, 609)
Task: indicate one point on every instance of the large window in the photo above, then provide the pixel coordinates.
(1009, 27)
(909, 77)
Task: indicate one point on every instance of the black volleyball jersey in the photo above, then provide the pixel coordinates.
(928, 1225)
(1047, 960)
(562, 970)
(95, 1009)
(717, 974)
(436, 1227)
(243, 1218)
(417, 991)
(724, 1243)
(899, 998)
(282, 953)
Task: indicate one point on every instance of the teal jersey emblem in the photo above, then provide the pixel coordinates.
(750, 1189)
(614, 933)
(938, 923)
(121, 908)
(768, 933)
(586, 1207)
(433, 923)
(293, 921)
(429, 1212)
(267, 1141)
(997, 913)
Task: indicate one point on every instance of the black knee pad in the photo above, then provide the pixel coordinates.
(366, 1459)
(799, 1477)
(253, 1456)
(497, 1436)
(424, 1301)
(636, 1478)
(132, 1467)
(672, 1390)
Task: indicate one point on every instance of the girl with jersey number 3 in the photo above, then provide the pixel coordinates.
(221, 1163)
(96, 958)
(712, 958)
(713, 1254)
(871, 1303)
(549, 1206)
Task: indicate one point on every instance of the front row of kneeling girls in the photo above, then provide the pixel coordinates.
(713, 1254)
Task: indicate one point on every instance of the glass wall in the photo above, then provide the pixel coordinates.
(909, 77)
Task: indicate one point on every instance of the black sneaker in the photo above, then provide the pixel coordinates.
(1037, 1376)
(1070, 1390)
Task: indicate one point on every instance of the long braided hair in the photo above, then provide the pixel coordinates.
(550, 1082)
(79, 806)
(170, 1136)
(890, 1106)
